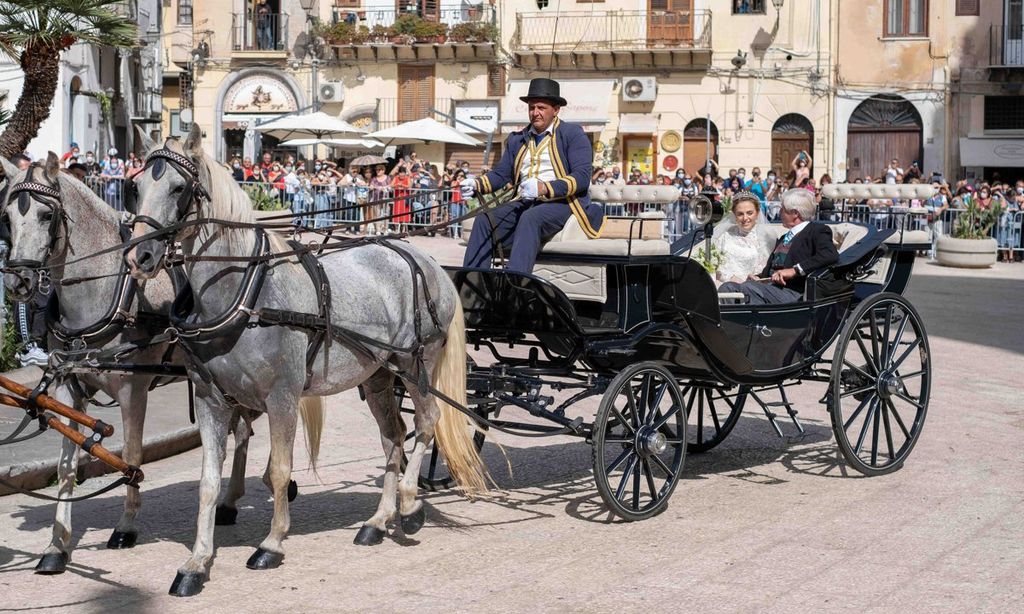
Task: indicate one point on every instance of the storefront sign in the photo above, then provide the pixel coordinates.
(480, 113)
(259, 94)
(997, 152)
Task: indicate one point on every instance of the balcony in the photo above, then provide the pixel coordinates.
(613, 39)
(259, 36)
(1006, 53)
(420, 32)
(148, 106)
(393, 111)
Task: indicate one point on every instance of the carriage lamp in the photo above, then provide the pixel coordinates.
(705, 210)
(778, 4)
(307, 5)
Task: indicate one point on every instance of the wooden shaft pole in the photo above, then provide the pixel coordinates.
(105, 455)
(53, 405)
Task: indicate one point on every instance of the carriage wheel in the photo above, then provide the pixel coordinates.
(434, 474)
(639, 441)
(712, 412)
(881, 382)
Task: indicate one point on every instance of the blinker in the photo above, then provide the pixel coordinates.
(24, 202)
(159, 167)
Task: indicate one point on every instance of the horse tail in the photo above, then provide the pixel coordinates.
(312, 411)
(454, 430)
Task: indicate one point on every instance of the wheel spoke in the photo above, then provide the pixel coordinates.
(856, 391)
(899, 338)
(888, 431)
(864, 429)
(665, 418)
(899, 420)
(661, 465)
(618, 440)
(700, 416)
(910, 400)
(650, 480)
(899, 361)
(868, 361)
(714, 414)
(636, 486)
(874, 340)
(434, 453)
(883, 359)
(625, 477)
(862, 372)
(631, 404)
(645, 397)
(874, 436)
(621, 419)
(618, 461)
(656, 403)
(856, 412)
(909, 375)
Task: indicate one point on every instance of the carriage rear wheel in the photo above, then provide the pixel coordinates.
(639, 441)
(713, 411)
(881, 382)
(434, 474)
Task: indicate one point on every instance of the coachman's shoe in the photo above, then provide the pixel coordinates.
(33, 355)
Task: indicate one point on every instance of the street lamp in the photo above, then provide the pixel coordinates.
(307, 5)
(778, 4)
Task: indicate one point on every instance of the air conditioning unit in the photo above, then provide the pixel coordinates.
(332, 91)
(639, 89)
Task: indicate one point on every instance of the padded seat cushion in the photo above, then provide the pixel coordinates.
(572, 240)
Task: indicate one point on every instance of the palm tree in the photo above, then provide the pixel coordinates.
(35, 32)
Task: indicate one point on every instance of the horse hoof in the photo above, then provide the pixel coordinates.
(293, 490)
(369, 536)
(187, 584)
(412, 523)
(264, 559)
(225, 516)
(119, 540)
(52, 563)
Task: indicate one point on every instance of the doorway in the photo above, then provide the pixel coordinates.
(669, 22)
(639, 156)
(791, 134)
(882, 128)
(695, 145)
(1013, 33)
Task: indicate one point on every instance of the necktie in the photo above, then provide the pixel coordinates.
(786, 238)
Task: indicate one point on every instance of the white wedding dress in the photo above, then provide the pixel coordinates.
(743, 253)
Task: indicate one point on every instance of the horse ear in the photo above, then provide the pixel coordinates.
(148, 144)
(194, 141)
(52, 167)
(10, 170)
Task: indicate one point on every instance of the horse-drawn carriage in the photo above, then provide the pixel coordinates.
(633, 320)
(628, 318)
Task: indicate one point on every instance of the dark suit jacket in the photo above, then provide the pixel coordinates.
(812, 249)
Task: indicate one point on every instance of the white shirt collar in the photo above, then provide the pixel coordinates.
(796, 229)
(548, 130)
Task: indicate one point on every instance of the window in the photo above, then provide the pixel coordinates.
(184, 12)
(1004, 113)
(968, 7)
(495, 80)
(906, 18)
(415, 92)
(178, 128)
(748, 7)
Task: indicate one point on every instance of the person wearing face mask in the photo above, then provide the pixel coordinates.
(237, 172)
(757, 185)
(92, 167)
(741, 174)
(615, 177)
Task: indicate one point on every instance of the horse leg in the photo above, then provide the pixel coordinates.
(411, 509)
(132, 397)
(214, 421)
(227, 511)
(56, 556)
(283, 419)
(380, 396)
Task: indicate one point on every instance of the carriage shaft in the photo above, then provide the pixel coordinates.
(53, 405)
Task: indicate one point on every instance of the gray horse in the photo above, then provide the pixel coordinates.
(52, 231)
(265, 369)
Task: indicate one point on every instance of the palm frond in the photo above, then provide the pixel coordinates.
(57, 24)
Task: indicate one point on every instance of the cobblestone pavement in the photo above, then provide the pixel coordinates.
(758, 524)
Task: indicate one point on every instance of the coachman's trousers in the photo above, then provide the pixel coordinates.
(520, 228)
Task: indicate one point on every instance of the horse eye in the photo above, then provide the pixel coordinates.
(47, 217)
(177, 189)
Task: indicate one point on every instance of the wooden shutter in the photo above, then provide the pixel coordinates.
(496, 80)
(968, 7)
(415, 92)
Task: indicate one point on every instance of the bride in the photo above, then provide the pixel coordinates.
(742, 240)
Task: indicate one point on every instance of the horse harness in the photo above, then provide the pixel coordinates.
(47, 196)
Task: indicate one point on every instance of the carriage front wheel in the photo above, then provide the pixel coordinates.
(639, 441)
(881, 382)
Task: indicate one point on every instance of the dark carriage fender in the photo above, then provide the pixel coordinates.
(713, 338)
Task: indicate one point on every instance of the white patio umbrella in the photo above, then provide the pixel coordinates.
(425, 130)
(367, 144)
(317, 125)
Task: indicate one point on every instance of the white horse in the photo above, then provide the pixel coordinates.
(50, 230)
(372, 292)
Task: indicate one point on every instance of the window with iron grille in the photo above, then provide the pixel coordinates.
(749, 7)
(184, 12)
(968, 7)
(906, 18)
(185, 90)
(495, 80)
(1004, 113)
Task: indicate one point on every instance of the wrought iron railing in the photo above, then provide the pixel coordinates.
(609, 30)
(424, 22)
(426, 10)
(389, 111)
(267, 32)
(1006, 45)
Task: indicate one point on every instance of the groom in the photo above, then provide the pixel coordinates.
(806, 248)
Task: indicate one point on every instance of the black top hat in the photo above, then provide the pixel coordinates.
(544, 89)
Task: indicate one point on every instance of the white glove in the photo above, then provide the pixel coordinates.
(528, 189)
(468, 188)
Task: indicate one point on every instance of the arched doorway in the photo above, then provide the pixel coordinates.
(791, 134)
(249, 97)
(695, 144)
(882, 128)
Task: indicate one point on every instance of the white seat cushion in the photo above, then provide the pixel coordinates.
(572, 240)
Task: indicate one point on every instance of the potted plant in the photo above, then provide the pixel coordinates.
(473, 32)
(381, 33)
(971, 244)
(430, 32)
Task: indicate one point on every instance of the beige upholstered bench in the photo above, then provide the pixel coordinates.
(620, 236)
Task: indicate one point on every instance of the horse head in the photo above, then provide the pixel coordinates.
(31, 222)
(166, 192)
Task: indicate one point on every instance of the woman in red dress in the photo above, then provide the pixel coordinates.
(401, 184)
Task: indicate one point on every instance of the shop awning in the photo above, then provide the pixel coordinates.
(589, 100)
(638, 123)
(992, 152)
